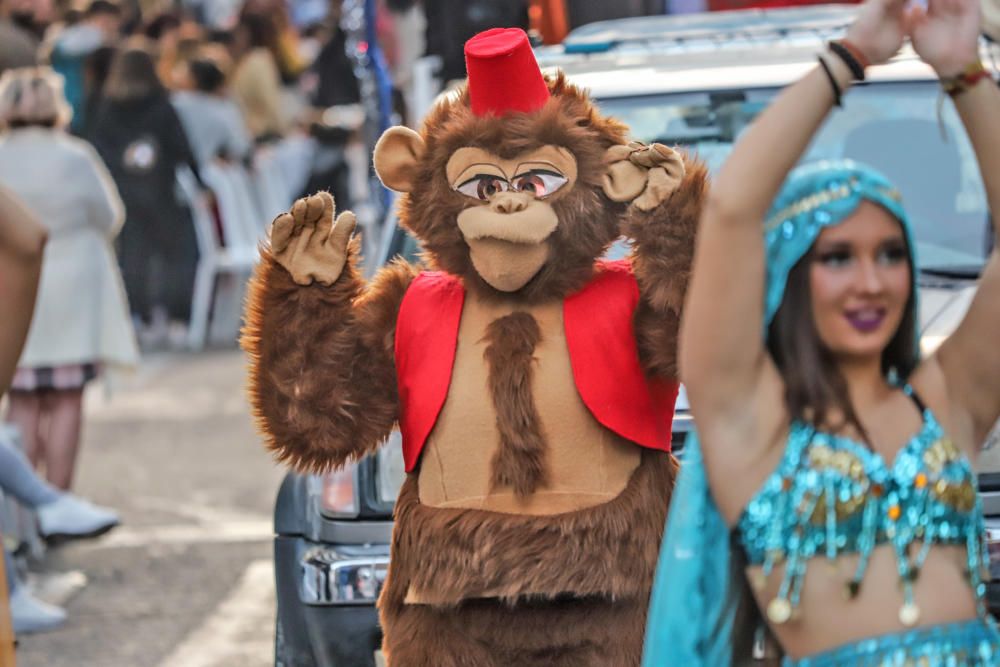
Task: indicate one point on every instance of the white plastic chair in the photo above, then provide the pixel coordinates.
(274, 196)
(237, 257)
(250, 217)
(236, 213)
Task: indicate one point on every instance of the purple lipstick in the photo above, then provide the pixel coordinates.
(866, 320)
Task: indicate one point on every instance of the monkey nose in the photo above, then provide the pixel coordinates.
(510, 202)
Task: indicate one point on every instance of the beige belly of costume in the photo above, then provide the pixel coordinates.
(587, 465)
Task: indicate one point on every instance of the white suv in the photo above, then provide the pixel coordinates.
(699, 80)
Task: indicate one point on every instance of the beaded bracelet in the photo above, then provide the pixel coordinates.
(852, 57)
(837, 92)
(969, 77)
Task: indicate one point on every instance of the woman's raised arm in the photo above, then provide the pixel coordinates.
(722, 352)
(946, 36)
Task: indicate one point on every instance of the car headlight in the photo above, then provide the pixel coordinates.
(390, 468)
(339, 493)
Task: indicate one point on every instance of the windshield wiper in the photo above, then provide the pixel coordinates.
(690, 140)
(957, 272)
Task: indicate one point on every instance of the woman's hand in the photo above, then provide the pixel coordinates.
(879, 29)
(946, 34)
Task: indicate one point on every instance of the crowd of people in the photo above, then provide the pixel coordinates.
(101, 105)
(798, 347)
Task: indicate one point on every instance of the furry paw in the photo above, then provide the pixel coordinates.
(308, 243)
(641, 174)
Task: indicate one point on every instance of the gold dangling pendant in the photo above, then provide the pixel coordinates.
(909, 614)
(779, 610)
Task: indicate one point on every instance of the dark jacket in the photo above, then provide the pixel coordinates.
(143, 143)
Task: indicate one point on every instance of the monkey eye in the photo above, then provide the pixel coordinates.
(483, 186)
(539, 182)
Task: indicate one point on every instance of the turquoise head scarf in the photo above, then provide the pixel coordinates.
(693, 605)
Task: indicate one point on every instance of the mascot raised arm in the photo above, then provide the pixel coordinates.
(532, 381)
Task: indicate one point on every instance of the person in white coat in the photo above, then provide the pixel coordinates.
(81, 323)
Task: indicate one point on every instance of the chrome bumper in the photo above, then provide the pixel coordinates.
(342, 576)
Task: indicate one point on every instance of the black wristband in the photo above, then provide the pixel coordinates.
(833, 81)
(842, 52)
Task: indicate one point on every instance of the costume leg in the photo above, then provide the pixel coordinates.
(571, 632)
(425, 636)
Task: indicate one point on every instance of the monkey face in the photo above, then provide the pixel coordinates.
(514, 205)
(510, 216)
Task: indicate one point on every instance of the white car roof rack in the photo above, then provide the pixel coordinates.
(761, 25)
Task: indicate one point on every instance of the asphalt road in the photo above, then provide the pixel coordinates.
(186, 581)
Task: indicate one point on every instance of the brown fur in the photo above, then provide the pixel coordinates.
(566, 589)
(662, 255)
(567, 632)
(520, 460)
(588, 220)
(456, 554)
(316, 356)
(574, 586)
(322, 378)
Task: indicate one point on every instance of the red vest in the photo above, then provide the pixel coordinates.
(599, 334)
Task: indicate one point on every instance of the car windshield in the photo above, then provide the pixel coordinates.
(893, 127)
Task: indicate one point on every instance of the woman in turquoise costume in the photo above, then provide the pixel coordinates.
(831, 481)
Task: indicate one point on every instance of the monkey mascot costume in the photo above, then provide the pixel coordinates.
(533, 383)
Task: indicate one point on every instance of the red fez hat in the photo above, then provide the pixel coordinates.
(503, 73)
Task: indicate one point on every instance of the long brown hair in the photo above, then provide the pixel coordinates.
(814, 385)
(133, 74)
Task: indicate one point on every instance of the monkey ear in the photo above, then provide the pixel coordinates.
(623, 180)
(397, 154)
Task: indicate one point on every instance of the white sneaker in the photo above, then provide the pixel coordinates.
(71, 517)
(29, 614)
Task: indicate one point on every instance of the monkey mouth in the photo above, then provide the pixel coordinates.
(505, 265)
(531, 226)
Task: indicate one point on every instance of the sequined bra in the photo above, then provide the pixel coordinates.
(831, 495)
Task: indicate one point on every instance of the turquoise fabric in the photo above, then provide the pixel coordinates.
(693, 605)
(694, 598)
(830, 495)
(968, 644)
(71, 67)
(815, 196)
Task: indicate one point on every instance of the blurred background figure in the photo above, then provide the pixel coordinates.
(409, 42)
(212, 121)
(257, 81)
(140, 137)
(95, 73)
(450, 23)
(81, 320)
(61, 516)
(335, 113)
(18, 46)
(72, 46)
(22, 238)
(164, 31)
